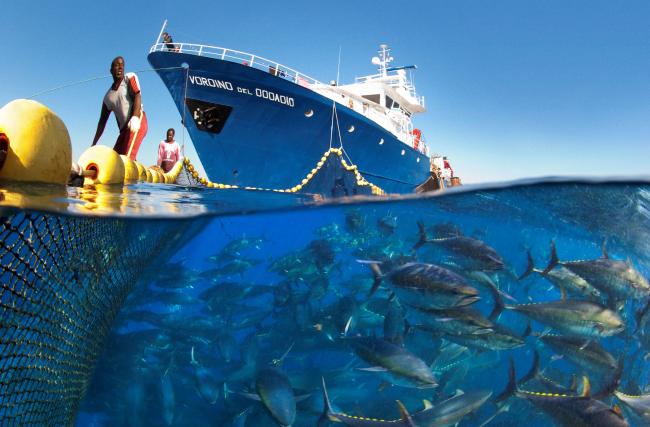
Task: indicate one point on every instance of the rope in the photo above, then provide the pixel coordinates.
(338, 129)
(187, 73)
(67, 85)
(332, 124)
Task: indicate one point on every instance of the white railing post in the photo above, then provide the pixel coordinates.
(252, 60)
(200, 50)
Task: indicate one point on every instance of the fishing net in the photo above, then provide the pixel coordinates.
(63, 280)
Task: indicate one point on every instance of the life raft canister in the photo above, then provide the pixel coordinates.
(417, 135)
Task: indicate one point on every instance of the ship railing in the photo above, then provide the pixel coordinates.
(239, 57)
(394, 81)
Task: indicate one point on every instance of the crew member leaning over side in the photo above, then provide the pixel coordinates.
(125, 100)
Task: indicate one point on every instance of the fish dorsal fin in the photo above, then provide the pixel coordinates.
(404, 414)
(373, 369)
(604, 249)
(251, 396)
(586, 387)
(347, 326)
(427, 404)
(459, 392)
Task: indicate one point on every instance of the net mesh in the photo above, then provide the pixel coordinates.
(63, 280)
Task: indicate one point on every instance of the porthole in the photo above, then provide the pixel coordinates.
(381, 141)
(403, 152)
(309, 113)
(351, 128)
(418, 160)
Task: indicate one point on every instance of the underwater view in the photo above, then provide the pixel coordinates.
(520, 305)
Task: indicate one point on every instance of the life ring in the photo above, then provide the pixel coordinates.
(417, 136)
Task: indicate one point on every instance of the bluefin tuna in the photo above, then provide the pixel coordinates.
(585, 353)
(576, 318)
(276, 394)
(581, 410)
(470, 253)
(403, 367)
(564, 279)
(618, 279)
(426, 285)
(640, 405)
(358, 421)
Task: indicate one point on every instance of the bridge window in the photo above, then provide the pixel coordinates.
(372, 98)
(390, 103)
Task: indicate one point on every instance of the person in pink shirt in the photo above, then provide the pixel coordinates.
(169, 152)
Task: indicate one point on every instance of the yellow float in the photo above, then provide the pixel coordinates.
(142, 171)
(36, 142)
(101, 165)
(131, 173)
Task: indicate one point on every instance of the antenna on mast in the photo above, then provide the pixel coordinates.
(383, 59)
(338, 67)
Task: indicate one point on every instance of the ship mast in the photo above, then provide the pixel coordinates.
(383, 60)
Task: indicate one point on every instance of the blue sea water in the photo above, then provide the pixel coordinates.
(241, 284)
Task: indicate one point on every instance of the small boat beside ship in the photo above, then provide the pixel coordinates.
(257, 123)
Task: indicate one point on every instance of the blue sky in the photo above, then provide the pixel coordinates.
(513, 88)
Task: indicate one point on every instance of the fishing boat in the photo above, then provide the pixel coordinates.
(257, 123)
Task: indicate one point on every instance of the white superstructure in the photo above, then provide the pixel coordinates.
(387, 98)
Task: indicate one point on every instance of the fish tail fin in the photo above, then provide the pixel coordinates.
(554, 260)
(511, 388)
(499, 305)
(404, 414)
(423, 236)
(376, 273)
(529, 268)
(534, 370)
(327, 406)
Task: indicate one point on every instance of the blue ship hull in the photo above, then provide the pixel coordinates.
(266, 138)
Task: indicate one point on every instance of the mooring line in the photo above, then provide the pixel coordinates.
(93, 79)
